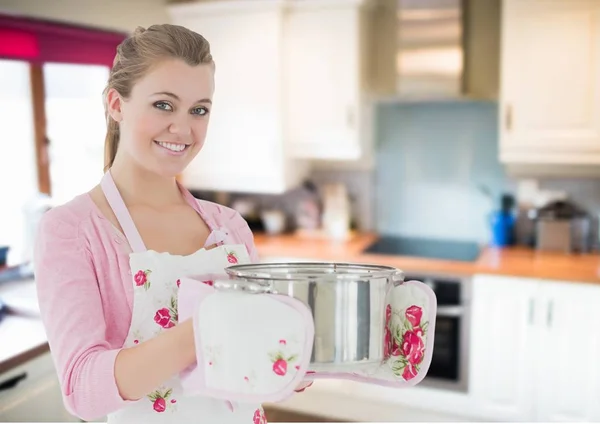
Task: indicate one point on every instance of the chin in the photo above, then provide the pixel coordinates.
(168, 173)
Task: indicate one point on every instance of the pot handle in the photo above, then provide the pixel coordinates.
(398, 278)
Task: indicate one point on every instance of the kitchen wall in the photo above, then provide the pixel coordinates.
(432, 159)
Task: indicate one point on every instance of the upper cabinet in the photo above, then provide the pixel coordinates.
(330, 46)
(244, 149)
(550, 83)
(322, 90)
(292, 80)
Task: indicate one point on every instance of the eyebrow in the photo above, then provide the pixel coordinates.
(176, 97)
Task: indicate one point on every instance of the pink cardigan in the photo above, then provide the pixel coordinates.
(85, 297)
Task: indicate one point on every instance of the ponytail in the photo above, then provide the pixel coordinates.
(111, 143)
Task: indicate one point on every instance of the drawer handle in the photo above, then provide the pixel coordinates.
(12, 382)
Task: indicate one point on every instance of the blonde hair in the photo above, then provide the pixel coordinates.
(137, 54)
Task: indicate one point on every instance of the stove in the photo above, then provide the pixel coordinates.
(453, 250)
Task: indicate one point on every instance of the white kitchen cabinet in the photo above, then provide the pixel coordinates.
(326, 50)
(550, 82)
(503, 347)
(245, 149)
(294, 84)
(534, 350)
(37, 397)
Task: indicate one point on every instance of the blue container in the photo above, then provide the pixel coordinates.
(502, 225)
(3, 255)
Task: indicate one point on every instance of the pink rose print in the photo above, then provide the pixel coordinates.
(387, 345)
(410, 372)
(395, 347)
(159, 400)
(208, 282)
(388, 314)
(141, 279)
(259, 417)
(167, 317)
(280, 367)
(281, 362)
(159, 405)
(413, 315)
(412, 347)
(178, 283)
(282, 342)
(231, 258)
(405, 340)
(164, 318)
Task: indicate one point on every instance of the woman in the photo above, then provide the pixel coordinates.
(119, 353)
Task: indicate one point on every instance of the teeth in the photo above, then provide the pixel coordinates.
(172, 147)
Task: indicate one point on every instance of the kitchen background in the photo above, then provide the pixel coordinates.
(353, 121)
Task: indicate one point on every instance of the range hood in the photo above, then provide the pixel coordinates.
(447, 49)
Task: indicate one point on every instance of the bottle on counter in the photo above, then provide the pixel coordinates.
(502, 223)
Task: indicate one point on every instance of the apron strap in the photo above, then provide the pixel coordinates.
(111, 192)
(194, 204)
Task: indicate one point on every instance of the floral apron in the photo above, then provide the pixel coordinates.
(155, 279)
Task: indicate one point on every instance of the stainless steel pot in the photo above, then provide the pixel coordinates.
(347, 302)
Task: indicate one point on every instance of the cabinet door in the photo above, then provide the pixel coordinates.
(502, 335)
(244, 144)
(37, 395)
(322, 87)
(550, 67)
(568, 377)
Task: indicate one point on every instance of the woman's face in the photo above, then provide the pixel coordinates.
(163, 124)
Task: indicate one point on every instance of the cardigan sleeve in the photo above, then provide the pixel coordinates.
(72, 313)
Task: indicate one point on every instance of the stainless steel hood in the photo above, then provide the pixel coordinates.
(443, 52)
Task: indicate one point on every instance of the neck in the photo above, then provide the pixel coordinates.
(139, 186)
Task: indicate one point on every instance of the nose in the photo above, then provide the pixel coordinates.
(180, 126)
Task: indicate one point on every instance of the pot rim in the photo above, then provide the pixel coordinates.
(275, 271)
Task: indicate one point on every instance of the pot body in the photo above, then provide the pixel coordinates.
(347, 301)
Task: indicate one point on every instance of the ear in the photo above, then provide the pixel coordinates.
(114, 104)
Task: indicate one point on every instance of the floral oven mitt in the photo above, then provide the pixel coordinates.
(250, 347)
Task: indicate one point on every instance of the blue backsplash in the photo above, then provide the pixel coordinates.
(432, 159)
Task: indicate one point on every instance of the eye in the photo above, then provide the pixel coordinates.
(163, 106)
(200, 111)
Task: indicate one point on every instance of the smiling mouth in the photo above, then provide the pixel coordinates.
(173, 147)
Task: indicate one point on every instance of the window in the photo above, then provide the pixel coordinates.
(75, 126)
(51, 117)
(18, 176)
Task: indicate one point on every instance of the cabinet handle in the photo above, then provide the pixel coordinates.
(531, 311)
(12, 382)
(508, 117)
(550, 310)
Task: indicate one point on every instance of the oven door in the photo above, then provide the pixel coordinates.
(450, 359)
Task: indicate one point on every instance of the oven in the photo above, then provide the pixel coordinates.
(450, 360)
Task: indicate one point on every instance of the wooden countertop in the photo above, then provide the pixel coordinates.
(22, 337)
(515, 262)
